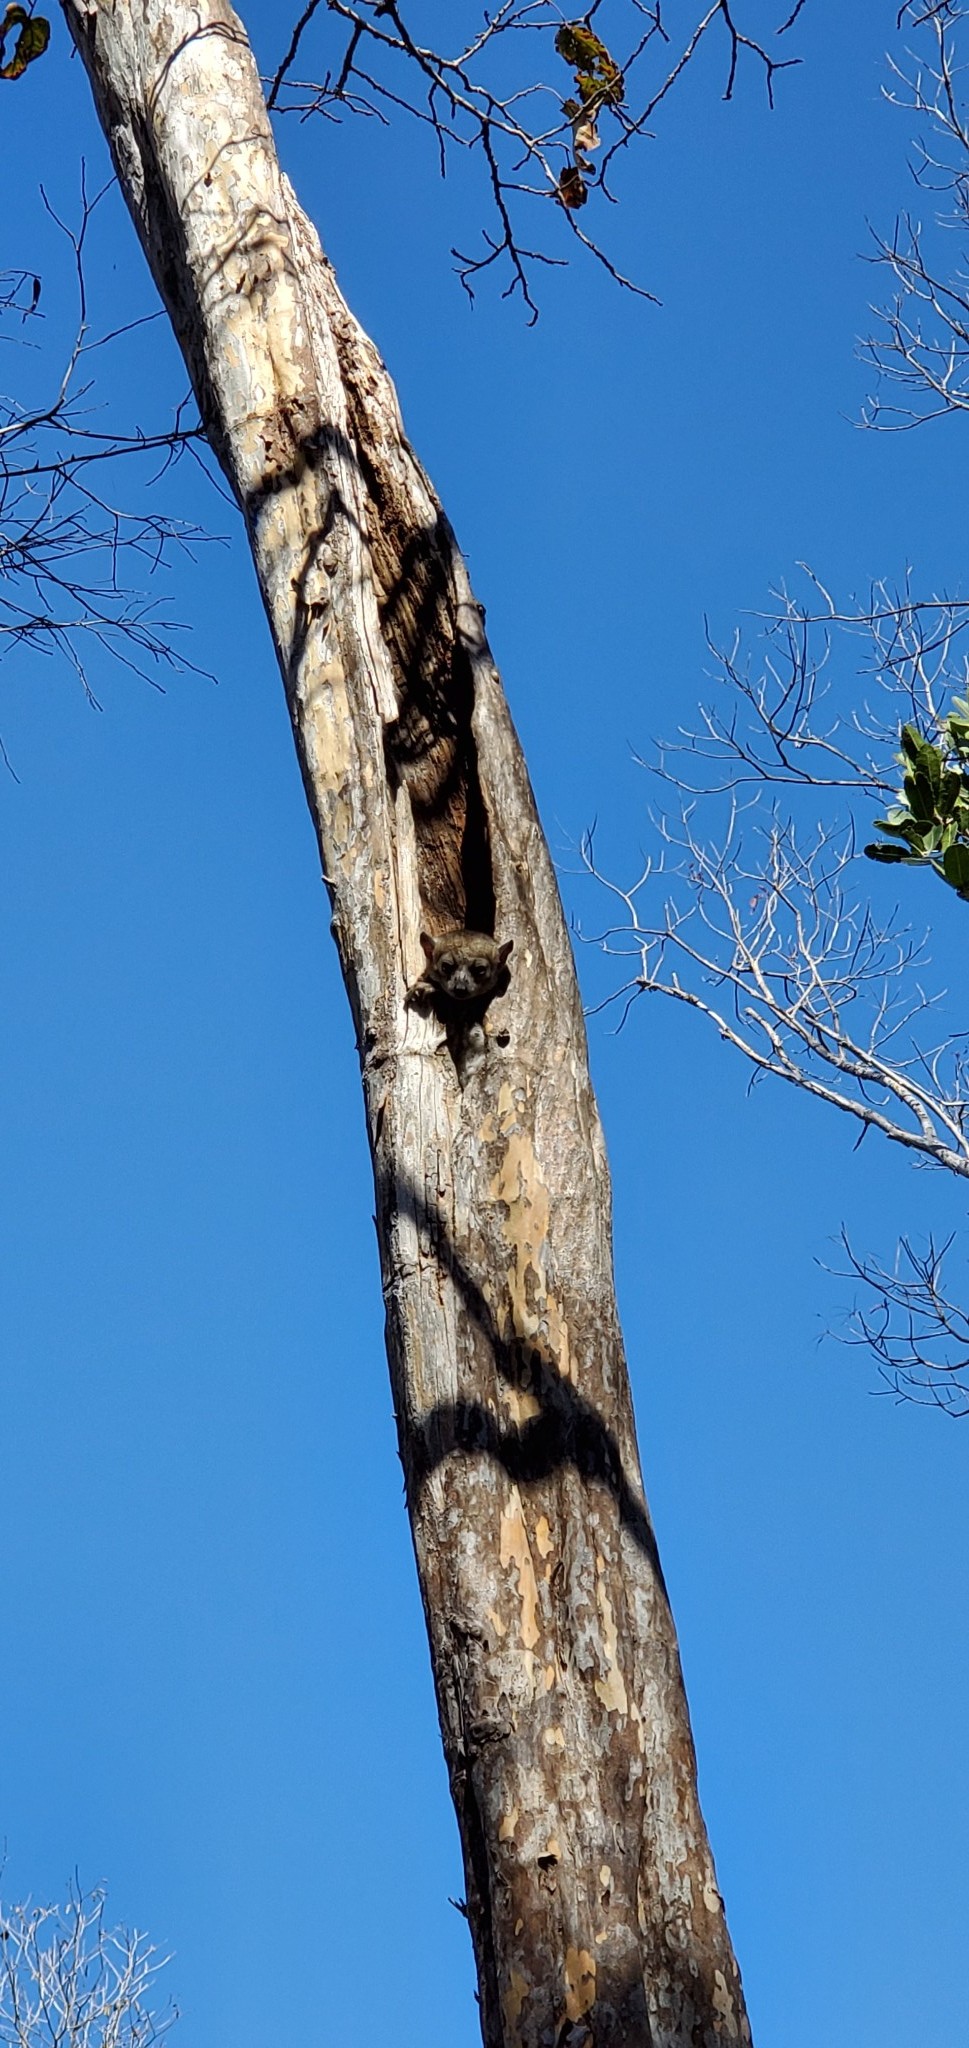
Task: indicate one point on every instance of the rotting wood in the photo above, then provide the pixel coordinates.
(591, 1894)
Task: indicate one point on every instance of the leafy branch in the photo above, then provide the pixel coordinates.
(931, 817)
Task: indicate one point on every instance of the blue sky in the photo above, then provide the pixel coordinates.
(217, 1693)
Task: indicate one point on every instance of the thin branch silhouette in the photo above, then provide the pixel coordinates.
(515, 95)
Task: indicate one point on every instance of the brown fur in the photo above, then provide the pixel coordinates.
(464, 966)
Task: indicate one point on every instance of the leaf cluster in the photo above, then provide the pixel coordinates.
(31, 42)
(599, 82)
(929, 825)
(598, 78)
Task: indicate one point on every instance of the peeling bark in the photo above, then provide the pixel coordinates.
(591, 1894)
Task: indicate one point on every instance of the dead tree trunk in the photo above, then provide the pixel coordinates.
(591, 1893)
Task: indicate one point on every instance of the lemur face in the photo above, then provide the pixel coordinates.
(464, 965)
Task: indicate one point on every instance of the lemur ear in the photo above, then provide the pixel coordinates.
(428, 944)
(503, 951)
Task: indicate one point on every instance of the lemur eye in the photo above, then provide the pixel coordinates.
(447, 963)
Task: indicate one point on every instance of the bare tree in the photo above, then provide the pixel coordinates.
(591, 1894)
(920, 345)
(68, 1979)
(769, 924)
(765, 921)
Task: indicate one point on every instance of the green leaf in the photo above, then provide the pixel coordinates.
(929, 763)
(921, 796)
(899, 822)
(880, 851)
(911, 739)
(955, 867)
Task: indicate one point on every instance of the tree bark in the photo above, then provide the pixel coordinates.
(591, 1893)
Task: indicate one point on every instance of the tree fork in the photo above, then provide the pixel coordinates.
(591, 1894)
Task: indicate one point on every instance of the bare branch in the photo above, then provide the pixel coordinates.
(69, 1981)
(77, 556)
(768, 927)
(512, 93)
(791, 967)
(918, 1333)
(789, 719)
(921, 344)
